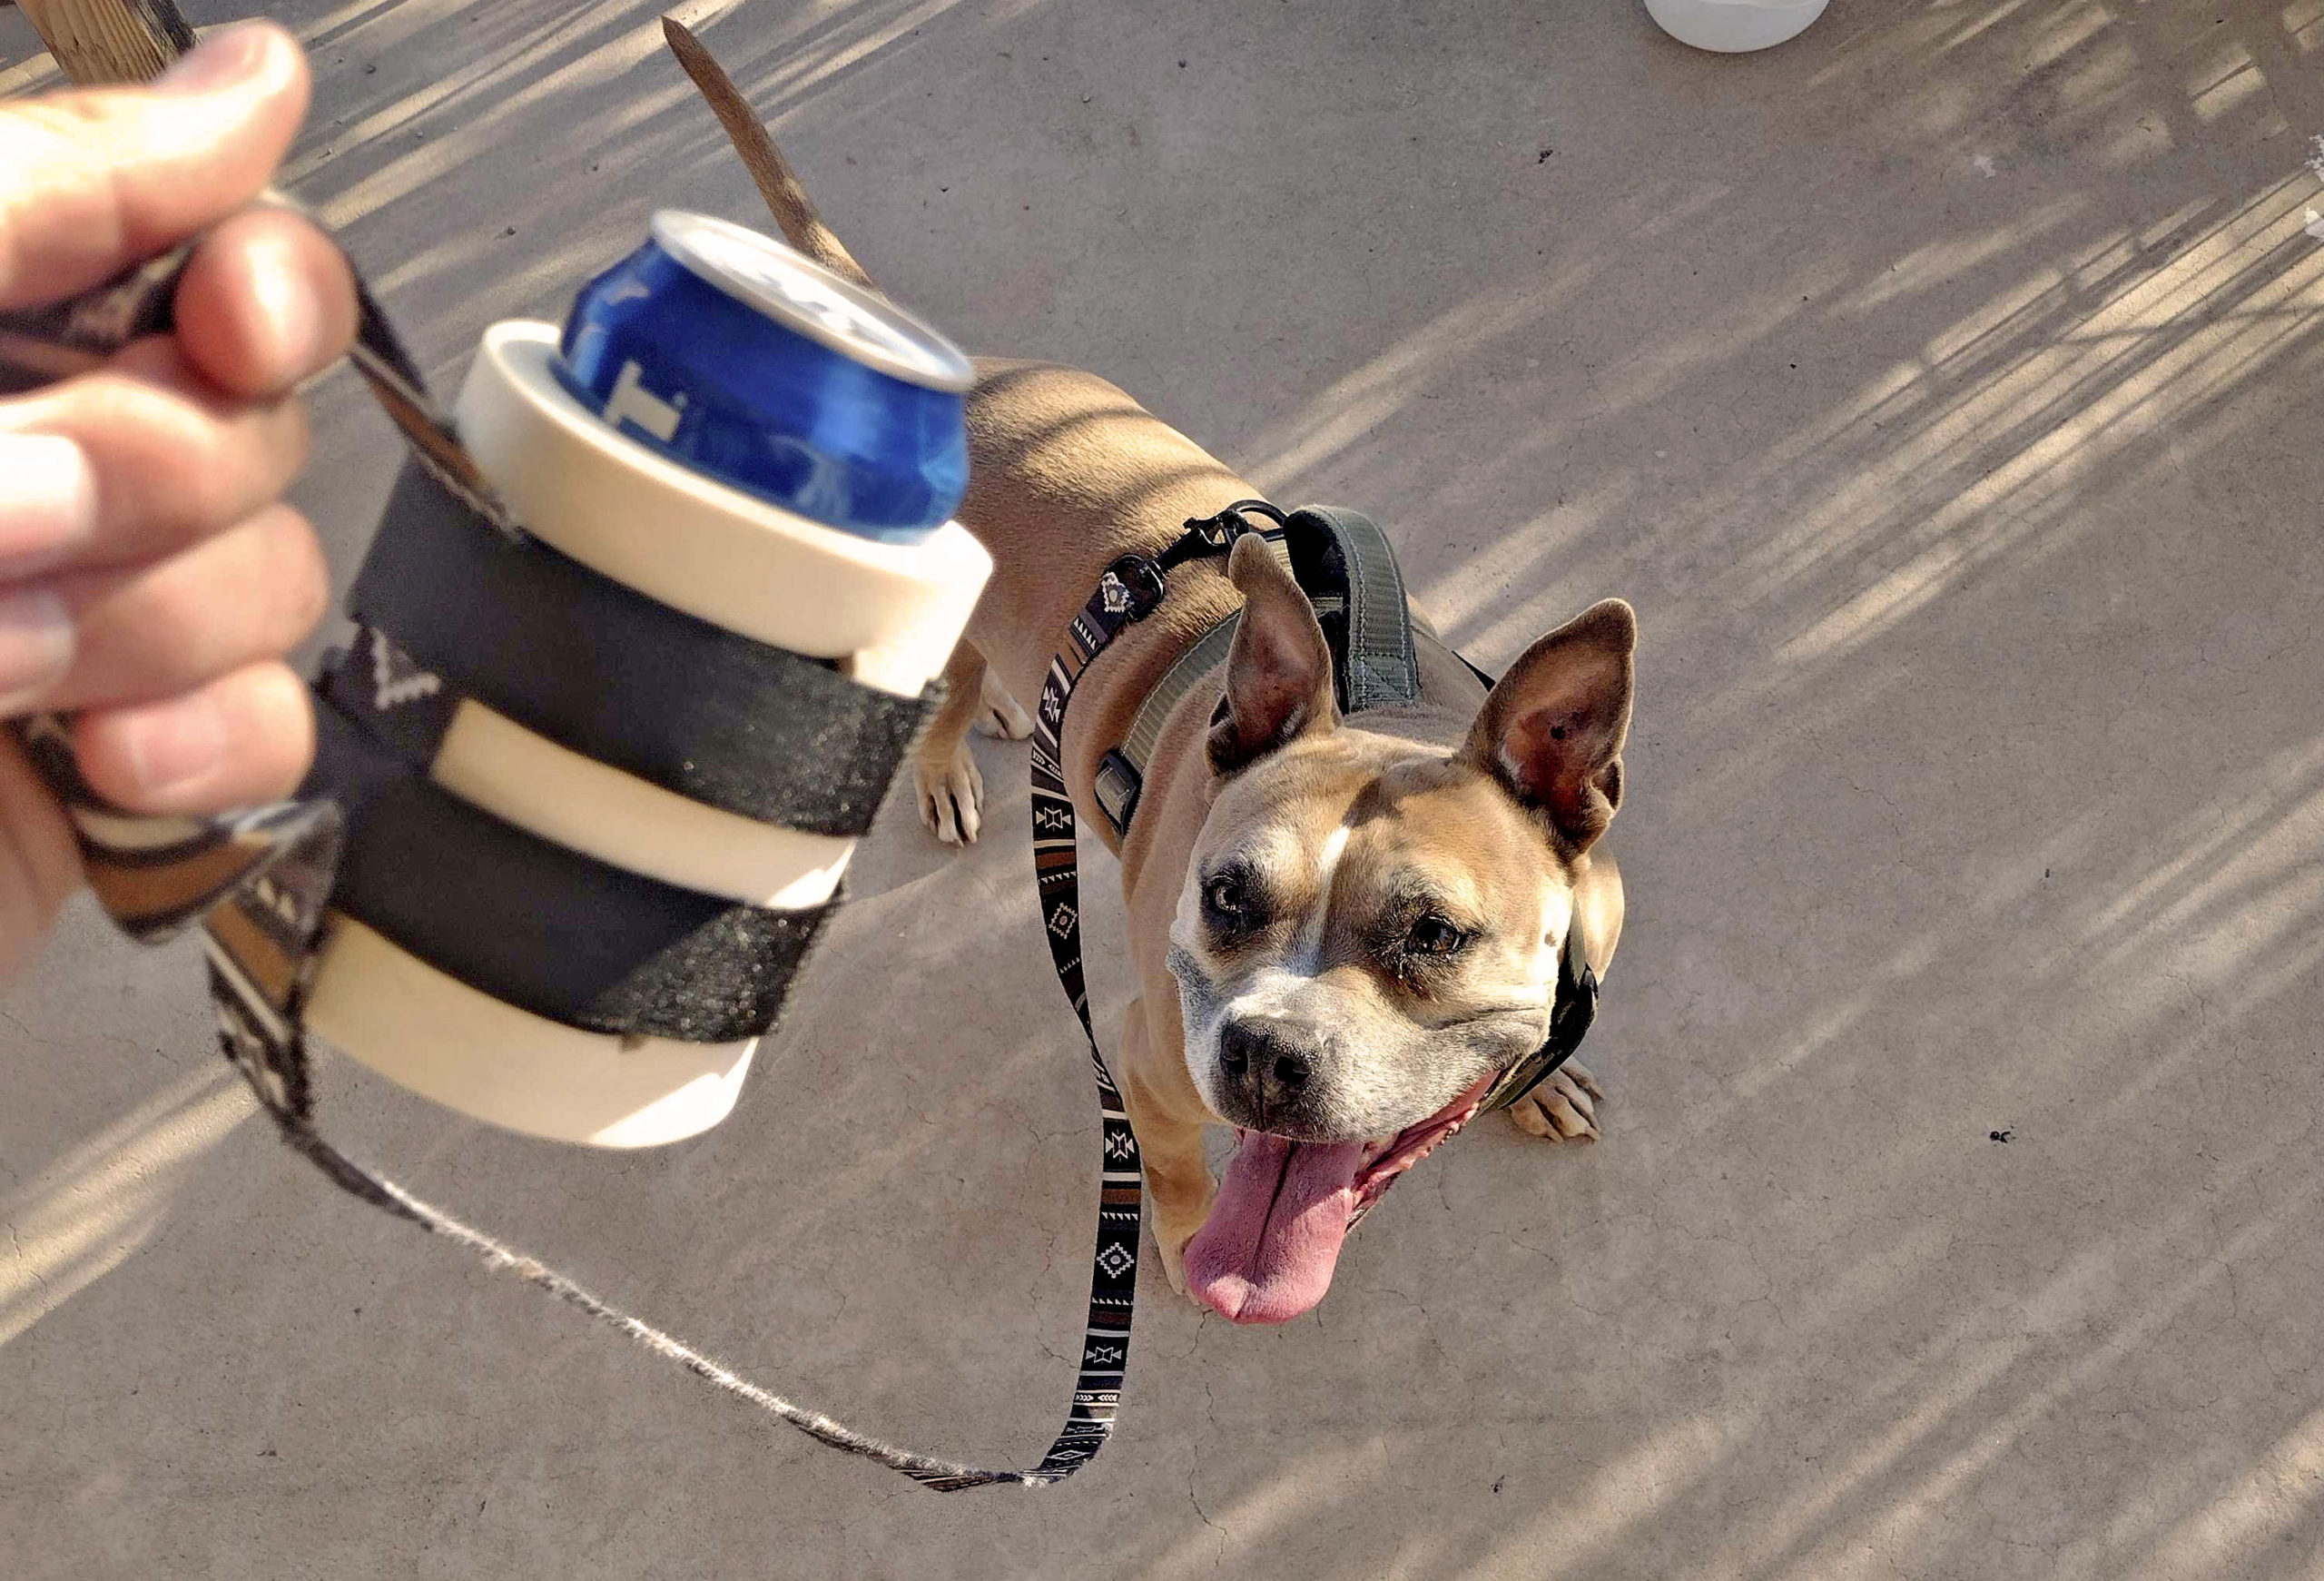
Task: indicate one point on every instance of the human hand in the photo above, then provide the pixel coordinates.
(151, 579)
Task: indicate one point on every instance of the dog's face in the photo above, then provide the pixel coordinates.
(1369, 933)
(1366, 932)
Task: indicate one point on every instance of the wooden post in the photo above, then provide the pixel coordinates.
(110, 41)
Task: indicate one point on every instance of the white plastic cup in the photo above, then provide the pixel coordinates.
(1734, 26)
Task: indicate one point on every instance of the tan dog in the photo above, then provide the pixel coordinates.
(1342, 937)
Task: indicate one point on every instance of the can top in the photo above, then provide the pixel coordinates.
(763, 274)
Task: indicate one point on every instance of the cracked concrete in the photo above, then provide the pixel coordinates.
(1942, 390)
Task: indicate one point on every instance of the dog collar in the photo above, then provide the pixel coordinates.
(1571, 1014)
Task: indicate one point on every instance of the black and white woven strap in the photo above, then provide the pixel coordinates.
(263, 884)
(1113, 1276)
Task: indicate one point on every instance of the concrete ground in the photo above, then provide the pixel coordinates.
(1942, 387)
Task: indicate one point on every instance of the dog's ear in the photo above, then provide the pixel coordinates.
(1553, 730)
(1279, 672)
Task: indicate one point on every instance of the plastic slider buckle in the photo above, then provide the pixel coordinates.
(1116, 789)
(1216, 535)
(1220, 532)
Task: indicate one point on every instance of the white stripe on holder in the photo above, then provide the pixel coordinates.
(556, 793)
(434, 1034)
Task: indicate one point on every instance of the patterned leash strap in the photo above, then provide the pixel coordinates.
(259, 882)
(1113, 1276)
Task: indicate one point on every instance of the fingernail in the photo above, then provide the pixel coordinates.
(172, 748)
(36, 646)
(227, 56)
(48, 502)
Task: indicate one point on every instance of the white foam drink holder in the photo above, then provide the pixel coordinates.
(889, 613)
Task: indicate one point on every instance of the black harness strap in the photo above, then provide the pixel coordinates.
(1345, 565)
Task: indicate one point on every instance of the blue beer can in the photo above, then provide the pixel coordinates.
(739, 359)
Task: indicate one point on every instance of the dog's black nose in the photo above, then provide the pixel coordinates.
(1235, 1048)
(1266, 1061)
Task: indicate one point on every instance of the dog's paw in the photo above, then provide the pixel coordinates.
(1172, 1232)
(1563, 1109)
(952, 796)
(999, 716)
(1174, 1260)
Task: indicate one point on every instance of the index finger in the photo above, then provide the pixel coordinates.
(94, 179)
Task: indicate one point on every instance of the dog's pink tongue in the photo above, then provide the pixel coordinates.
(1266, 1253)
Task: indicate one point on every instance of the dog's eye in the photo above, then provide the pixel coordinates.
(1434, 936)
(1225, 897)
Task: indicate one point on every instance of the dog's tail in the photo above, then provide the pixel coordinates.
(777, 181)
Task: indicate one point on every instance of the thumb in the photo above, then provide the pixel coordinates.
(94, 179)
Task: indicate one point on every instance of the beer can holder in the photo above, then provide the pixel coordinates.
(687, 576)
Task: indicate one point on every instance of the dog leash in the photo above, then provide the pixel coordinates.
(274, 867)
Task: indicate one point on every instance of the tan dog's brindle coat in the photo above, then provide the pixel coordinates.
(1341, 935)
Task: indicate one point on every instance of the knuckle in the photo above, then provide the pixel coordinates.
(182, 453)
(292, 567)
(184, 625)
(168, 455)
